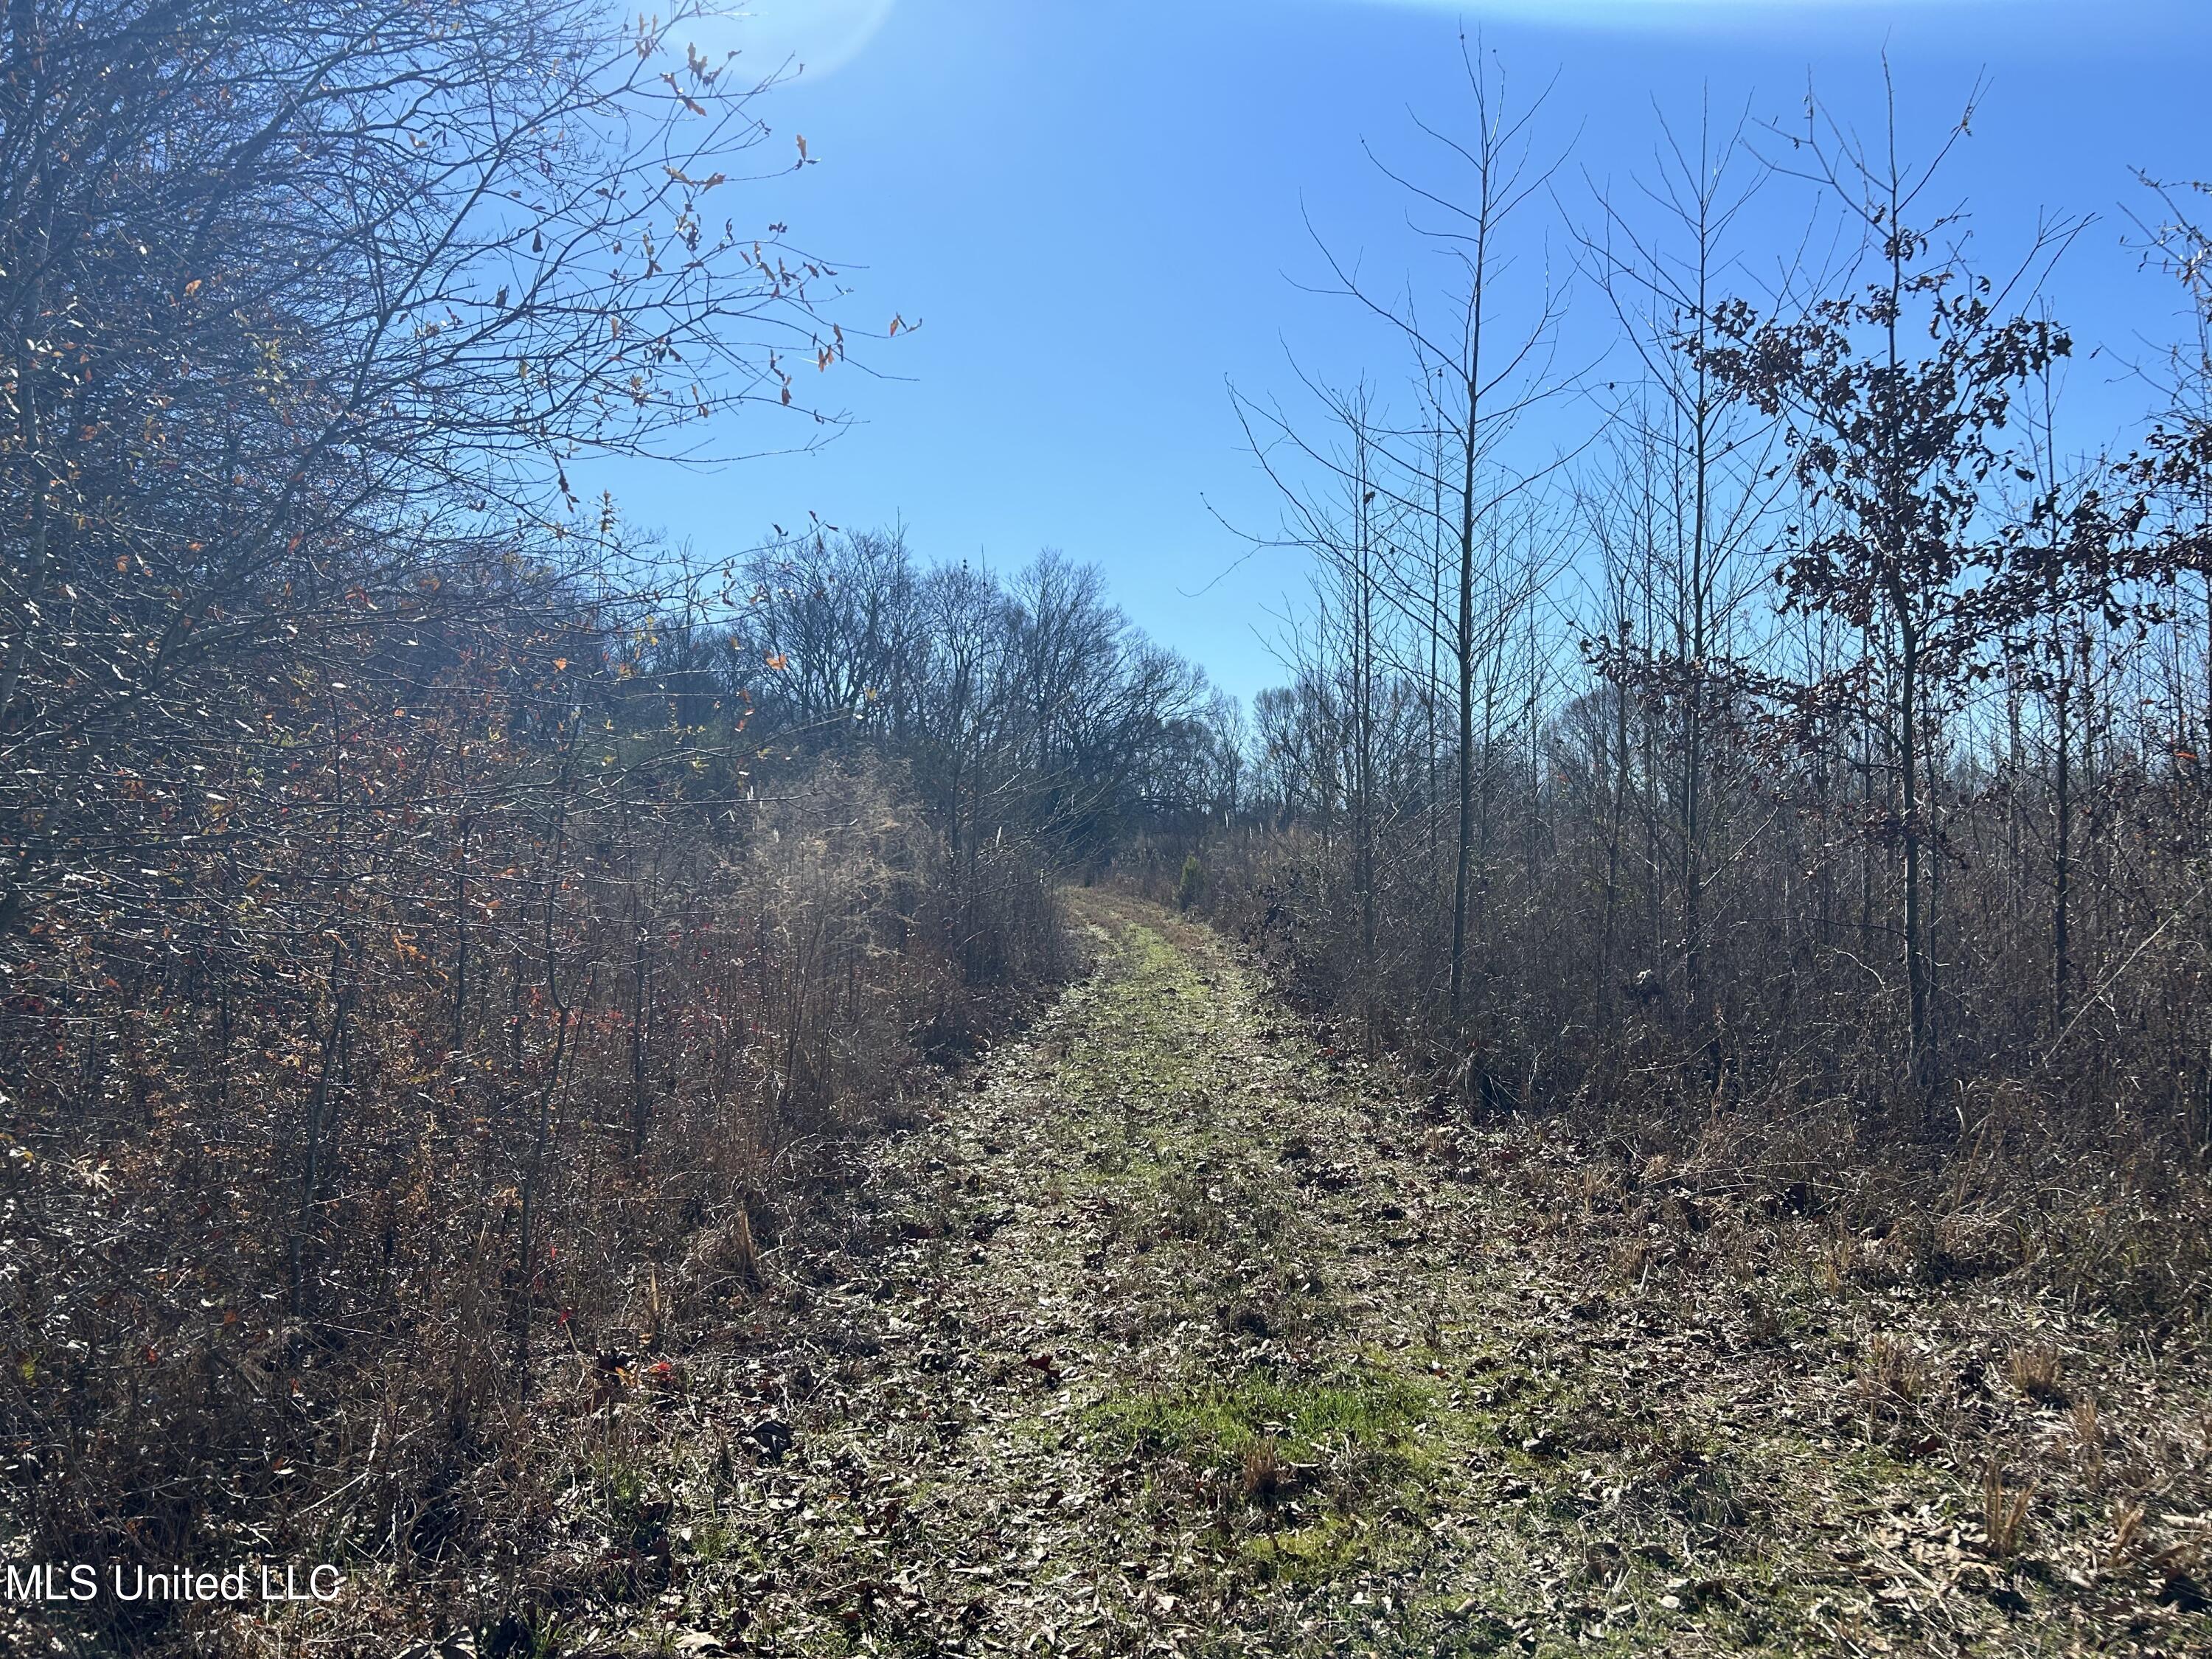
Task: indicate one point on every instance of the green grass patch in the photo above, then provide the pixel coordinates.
(1315, 1553)
(1362, 1414)
(1142, 1028)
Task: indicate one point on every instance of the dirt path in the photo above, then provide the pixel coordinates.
(1174, 1333)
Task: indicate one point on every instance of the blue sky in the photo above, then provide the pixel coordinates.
(1097, 212)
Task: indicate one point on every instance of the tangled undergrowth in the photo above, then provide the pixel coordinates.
(1172, 1330)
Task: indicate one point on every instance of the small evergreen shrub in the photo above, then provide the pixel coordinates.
(1190, 886)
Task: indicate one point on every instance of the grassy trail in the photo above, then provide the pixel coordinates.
(1173, 1333)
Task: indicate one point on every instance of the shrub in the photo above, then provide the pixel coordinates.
(361, 1202)
(1190, 886)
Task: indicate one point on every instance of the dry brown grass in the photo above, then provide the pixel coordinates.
(2088, 1440)
(1892, 1375)
(1917, 1387)
(349, 1265)
(2083, 1172)
(1262, 1475)
(2034, 1368)
(2004, 1512)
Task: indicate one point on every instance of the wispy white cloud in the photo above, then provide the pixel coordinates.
(1664, 13)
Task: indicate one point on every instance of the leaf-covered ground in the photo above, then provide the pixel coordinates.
(1170, 1332)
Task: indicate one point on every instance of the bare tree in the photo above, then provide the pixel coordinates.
(1697, 460)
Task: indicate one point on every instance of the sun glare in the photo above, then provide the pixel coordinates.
(808, 38)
